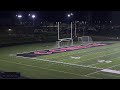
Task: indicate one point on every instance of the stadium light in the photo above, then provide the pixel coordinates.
(68, 15)
(19, 16)
(33, 16)
(28, 14)
(9, 29)
(71, 14)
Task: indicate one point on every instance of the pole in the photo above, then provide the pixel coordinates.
(33, 21)
(75, 28)
(71, 35)
(58, 32)
(71, 30)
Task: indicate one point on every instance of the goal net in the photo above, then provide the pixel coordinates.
(85, 40)
(65, 42)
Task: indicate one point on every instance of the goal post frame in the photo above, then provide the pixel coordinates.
(88, 39)
(64, 39)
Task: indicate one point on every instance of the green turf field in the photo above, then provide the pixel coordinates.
(88, 64)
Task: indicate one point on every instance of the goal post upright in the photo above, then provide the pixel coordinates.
(71, 30)
(58, 31)
(59, 41)
(58, 34)
(71, 35)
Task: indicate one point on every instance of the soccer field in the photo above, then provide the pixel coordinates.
(92, 63)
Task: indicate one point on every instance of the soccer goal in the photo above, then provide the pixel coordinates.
(85, 40)
(65, 42)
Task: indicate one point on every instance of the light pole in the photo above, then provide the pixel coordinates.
(33, 16)
(19, 17)
(9, 31)
(69, 16)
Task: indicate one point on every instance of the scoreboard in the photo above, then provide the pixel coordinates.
(10, 75)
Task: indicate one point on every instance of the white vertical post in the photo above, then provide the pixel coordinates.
(71, 30)
(58, 32)
(71, 34)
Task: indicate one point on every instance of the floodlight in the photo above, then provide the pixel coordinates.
(28, 14)
(9, 29)
(19, 16)
(68, 15)
(71, 14)
(33, 16)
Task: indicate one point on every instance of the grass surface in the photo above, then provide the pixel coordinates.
(61, 65)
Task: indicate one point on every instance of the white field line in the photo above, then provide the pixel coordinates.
(46, 68)
(92, 73)
(68, 63)
(57, 62)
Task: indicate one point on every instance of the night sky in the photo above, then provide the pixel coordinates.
(61, 15)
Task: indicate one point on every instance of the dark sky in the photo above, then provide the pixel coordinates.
(61, 15)
(116, 16)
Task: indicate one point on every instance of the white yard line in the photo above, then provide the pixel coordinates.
(92, 73)
(46, 68)
(58, 62)
(67, 63)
